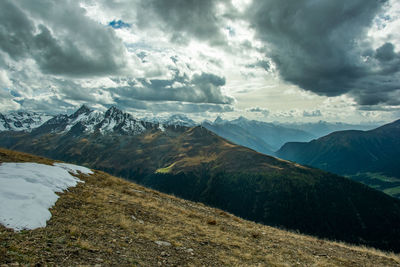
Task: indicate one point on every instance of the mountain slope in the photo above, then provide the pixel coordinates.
(351, 152)
(112, 222)
(240, 136)
(198, 165)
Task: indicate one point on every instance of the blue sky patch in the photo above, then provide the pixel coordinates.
(118, 24)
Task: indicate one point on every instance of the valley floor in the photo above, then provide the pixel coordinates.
(107, 221)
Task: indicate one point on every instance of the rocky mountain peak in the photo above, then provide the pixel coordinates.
(113, 112)
(218, 120)
(82, 110)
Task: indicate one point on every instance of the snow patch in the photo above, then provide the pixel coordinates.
(27, 191)
(74, 168)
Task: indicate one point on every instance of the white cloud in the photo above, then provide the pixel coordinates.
(4, 80)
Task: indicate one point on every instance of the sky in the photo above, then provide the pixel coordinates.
(270, 60)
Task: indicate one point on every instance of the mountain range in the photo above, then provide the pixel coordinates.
(175, 119)
(261, 136)
(196, 164)
(22, 121)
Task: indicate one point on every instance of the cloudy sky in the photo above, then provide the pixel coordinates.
(272, 60)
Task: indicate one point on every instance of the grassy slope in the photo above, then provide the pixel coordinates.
(92, 224)
(387, 184)
(238, 135)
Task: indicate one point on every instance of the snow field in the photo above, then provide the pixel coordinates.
(28, 190)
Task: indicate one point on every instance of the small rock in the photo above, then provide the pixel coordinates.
(159, 263)
(141, 221)
(137, 191)
(212, 222)
(164, 254)
(189, 250)
(133, 217)
(162, 243)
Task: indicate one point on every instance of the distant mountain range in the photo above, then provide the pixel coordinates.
(368, 156)
(89, 120)
(261, 136)
(322, 128)
(197, 164)
(22, 121)
(175, 119)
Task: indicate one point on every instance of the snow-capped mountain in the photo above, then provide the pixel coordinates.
(179, 120)
(22, 121)
(173, 120)
(86, 120)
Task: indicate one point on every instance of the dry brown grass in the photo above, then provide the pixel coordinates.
(112, 222)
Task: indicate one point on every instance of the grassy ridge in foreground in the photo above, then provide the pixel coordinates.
(109, 221)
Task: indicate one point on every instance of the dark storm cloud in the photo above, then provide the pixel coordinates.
(320, 46)
(385, 52)
(184, 19)
(64, 42)
(201, 88)
(15, 30)
(379, 108)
